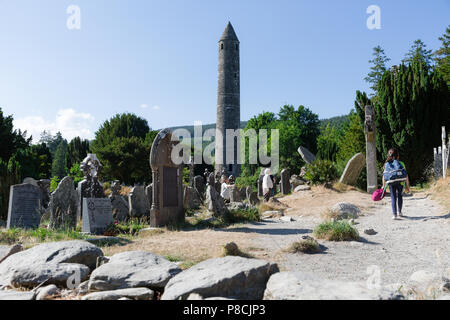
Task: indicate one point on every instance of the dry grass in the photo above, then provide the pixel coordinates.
(440, 191)
(125, 191)
(273, 204)
(319, 199)
(340, 187)
(188, 247)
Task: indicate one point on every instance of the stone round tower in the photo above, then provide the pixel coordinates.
(228, 101)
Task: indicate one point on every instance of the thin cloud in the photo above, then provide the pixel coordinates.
(144, 106)
(156, 107)
(69, 122)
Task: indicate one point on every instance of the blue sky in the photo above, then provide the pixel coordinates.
(158, 59)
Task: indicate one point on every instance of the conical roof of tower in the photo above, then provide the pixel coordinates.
(229, 33)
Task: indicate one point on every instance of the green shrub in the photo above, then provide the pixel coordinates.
(242, 215)
(54, 183)
(336, 231)
(304, 246)
(321, 171)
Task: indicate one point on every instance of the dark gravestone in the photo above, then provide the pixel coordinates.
(199, 184)
(24, 206)
(167, 203)
(285, 185)
(260, 186)
(64, 205)
(97, 215)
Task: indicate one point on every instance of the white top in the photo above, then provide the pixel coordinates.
(267, 184)
(225, 191)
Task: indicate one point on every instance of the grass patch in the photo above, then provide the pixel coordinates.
(309, 246)
(242, 215)
(18, 235)
(232, 249)
(336, 231)
(131, 227)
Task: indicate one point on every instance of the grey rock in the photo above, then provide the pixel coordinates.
(30, 181)
(423, 276)
(345, 210)
(231, 277)
(133, 269)
(64, 205)
(138, 202)
(76, 251)
(129, 294)
(83, 288)
(31, 276)
(46, 292)
(16, 295)
(353, 169)
(296, 181)
(304, 286)
(6, 251)
(306, 155)
(302, 188)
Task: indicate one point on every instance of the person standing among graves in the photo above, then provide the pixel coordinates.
(225, 190)
(267, 185)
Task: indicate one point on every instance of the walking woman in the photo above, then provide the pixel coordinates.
(267, 185)
(395, 175)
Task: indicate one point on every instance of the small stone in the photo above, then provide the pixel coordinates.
(302, 188)
(370, 232)
(46, 292)
(130, 294)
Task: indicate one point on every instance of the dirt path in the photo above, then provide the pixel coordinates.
(420, 241)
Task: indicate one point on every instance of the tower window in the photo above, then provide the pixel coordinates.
(235, 75)
(221, 46)
(237, 47)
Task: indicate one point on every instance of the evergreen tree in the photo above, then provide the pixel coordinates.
(442, 56)
(379, 67)
(77, 150)
(419, 52)
(52, 142)
(59, 165)
(361, 102)
(410, 110)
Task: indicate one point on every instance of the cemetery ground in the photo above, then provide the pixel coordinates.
(394, 252)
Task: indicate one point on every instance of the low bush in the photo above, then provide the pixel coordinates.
(321, 171)
(336, 231)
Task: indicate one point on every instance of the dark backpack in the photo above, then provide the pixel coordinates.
(394, 170)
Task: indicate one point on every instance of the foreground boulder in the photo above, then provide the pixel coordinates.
(6, 251)
(230, 277)
(51, 273)
(81, 252)
(133, 269)
(304, 286)
(130, 294)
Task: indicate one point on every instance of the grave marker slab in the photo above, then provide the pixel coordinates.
(24, 206)
(97, 215)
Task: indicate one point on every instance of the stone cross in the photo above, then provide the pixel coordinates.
(371, 149)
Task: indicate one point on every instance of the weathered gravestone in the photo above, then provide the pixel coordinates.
(285, 185)
(353, 169)
(97, 215)
(24, 206)
(120, 208)
(30, 181)
(252, 197)
(44, 184)
(192, 199)
(63, 205)
(235, 195)
(199, 184)
(167, 203)
(371, 149)
(138, 202)
(306, 155)
(90, 187)
(260, 186)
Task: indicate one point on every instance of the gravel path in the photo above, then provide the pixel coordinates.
(419, 241)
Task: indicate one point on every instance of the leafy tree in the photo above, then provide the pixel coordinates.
(59, 165)
(411, 108)
(11, 140)
(379, 67)
(327, 144)
(77, 150)
(123, 145)
(352, 140)
(419, 52)
(76, 174)
(442, 56)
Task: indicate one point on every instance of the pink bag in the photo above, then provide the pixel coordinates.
(378, 195)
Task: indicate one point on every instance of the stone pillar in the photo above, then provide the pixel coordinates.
(371, 149)
(285, 185)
